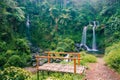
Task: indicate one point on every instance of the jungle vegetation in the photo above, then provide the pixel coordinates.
(56, 25)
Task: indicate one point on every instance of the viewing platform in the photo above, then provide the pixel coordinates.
(58, 67)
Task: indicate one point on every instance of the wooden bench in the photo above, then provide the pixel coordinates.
(57, 67)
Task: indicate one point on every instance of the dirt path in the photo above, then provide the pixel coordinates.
(98, 71)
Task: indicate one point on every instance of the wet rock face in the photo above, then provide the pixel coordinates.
(35, 49)
(77, 47)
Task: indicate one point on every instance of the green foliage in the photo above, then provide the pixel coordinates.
(26, 59)
(112, 31)
(9, 53)
(16, 61)
(22, 46)
(51, 18)
(114, 46)
(58, 76)
(10, 8)
(2, 46)
(66, 45)
(14, 73)
(56, 25)
(112, 56)
(3, 60)
(87, 58)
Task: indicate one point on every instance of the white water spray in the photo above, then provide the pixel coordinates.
(83, 41)
(94, 37)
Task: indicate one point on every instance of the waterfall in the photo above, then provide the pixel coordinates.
(84, 35)
(94, 37)
(28, 28)
(83, 41)
(34, 48)
(28, 22)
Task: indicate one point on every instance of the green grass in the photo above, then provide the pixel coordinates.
(57, 76)
(85, 59)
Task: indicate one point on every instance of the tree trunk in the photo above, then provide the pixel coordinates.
(56, 27)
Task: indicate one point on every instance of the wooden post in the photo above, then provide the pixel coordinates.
(37, 66)
(37, 62)
(48, 57)
(74, 65)
(78, 59)
(38, 75)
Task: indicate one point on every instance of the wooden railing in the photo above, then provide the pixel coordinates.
(76, 56)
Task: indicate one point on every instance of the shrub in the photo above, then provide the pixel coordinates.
(58, 76)
(9, 53)
(111, 48)
(60, 49)
(2, 46)
(2, 61)
(112, 56)
(66, 45)
(22, 46)
(15, 60)
(26, 59)
(87, 58)
(14, 73)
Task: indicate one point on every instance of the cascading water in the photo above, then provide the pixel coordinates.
(34, 49)
(28, 22)
(28, 28)
(94, 37)
(83, 41)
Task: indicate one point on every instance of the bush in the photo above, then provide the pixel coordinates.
(16, 61)
(112, 56)
(2, 61)
(14, 73)
(66, 45)
(2, 46)
(87, 58)
(26, 59)
(22, 46)
(111, 48)
(9, 53)
(58, 76)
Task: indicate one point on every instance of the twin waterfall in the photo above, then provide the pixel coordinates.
(83, 41)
